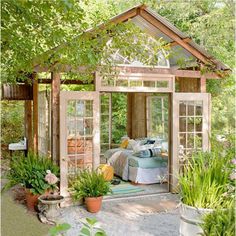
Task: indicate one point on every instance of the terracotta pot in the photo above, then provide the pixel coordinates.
(31, 200)
(93, 204)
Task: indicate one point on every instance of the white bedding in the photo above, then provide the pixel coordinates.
(148, 176)
(119, 160)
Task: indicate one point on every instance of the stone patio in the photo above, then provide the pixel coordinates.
(144, 216)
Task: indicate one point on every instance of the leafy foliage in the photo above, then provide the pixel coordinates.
(206, 177)
(59, 229)
(12, 124)
(119, 118)
(224, 222)
(89, 183)
(91, 228)
(30, 171)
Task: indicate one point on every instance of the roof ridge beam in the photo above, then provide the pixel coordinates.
(163, 28)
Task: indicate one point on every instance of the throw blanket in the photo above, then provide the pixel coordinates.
(119, 161)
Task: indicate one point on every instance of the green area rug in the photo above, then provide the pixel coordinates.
(125, 188)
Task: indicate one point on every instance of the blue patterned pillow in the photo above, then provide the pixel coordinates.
(151, 152)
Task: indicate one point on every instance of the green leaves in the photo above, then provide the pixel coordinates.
(30, 171)
(60, 228)
(205, 178)
(91, 228)
(89, 183)
(220, 222)
(91, 221)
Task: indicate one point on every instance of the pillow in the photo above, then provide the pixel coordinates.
(132, 143)
(150, 141)
(164, 146)
(150, 152)
(124, 143)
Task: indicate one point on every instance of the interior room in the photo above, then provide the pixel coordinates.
(134, 135)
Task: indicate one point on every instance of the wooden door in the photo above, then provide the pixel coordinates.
(79, 134)
(190, 129)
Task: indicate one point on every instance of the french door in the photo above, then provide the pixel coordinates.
(79, 134)
(190, 129)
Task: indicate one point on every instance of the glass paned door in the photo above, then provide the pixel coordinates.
(190, 128)
(79, 134)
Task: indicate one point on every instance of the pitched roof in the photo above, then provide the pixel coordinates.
(158, 26)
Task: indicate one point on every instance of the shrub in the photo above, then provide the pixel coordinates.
(219, 222)
(89, 183)
(30, 172)
(205, 180)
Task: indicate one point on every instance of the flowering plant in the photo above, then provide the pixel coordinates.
(38, 174)
(51, 178)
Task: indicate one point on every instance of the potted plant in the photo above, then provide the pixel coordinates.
(205, 184)
(91, 186)
(219, 222)
(37, 174)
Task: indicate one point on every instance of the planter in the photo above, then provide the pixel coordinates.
(31, 200)
(190, 218)
(93, 204)
(51, 201)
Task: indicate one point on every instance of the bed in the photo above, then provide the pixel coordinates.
(130, 167)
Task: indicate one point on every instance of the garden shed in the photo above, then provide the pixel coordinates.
(166, 102)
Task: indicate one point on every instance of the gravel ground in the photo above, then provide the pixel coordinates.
(146, 216)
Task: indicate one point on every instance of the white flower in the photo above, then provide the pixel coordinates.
(233, 176)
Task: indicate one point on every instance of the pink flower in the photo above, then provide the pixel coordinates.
(50, 177)
(234, 161)
(233, 176)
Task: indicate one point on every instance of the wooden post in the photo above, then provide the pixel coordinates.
(203, 84)
(129, 114)
(35, 113)
(28, 124)
(55, 125)
(136, 115)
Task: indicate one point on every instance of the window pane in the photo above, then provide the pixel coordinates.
(135, 83)
(198, 124)
(198, 141)
(161, 84)
(190, 124)
(182, 108)
(182, 140)
(122, 82)
(191, 108)
(150, 84)
(198, 108)
(182, 124)
(190, 141)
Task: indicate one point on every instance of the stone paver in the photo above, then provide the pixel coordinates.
(156, 215)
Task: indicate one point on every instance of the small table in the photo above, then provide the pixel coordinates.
(21, 146)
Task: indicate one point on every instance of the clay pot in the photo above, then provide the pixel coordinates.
(93, 204)
(31, 200)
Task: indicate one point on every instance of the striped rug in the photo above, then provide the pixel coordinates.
(125, 188)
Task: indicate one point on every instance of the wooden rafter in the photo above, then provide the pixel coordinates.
(174, 43)
(156, 23)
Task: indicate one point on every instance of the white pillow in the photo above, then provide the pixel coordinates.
(132, 144)
(164, 146)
